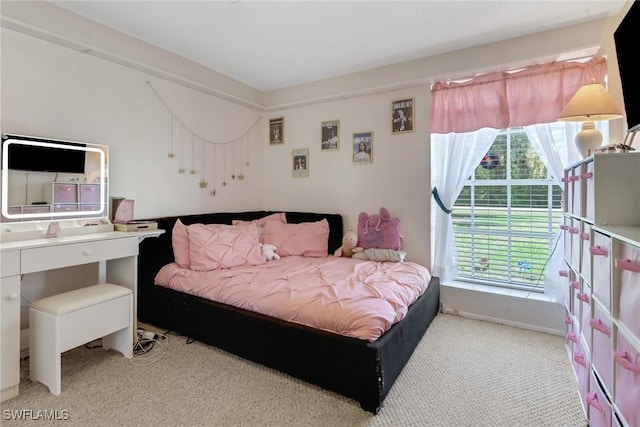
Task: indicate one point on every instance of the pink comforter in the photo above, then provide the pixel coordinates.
(355, 298)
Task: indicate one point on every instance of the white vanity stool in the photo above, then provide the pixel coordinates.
(64, 321)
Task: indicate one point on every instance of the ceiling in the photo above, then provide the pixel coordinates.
(270, 45)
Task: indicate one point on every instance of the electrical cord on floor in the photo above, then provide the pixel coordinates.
(149, 347)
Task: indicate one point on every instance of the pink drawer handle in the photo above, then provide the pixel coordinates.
(574, 230)
(567, 320)
(572, 337)
(574, 178)
(584, 236)
(622, 358)
(592, 399)
(598, 251)
(563, 273)
(574, 284)
(89, 189)
(564, 227)
(579, 359)
(583, 297)
(564, 179)
(599, 326)
(628, 265)
(586, 175)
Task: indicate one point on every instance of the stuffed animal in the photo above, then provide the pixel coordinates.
(349, 245)
(269, 251)
(380, 231)
(381, 255)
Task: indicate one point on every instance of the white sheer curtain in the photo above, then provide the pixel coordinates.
(454, 157)
(554, 144)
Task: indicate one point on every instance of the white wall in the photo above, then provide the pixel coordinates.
(397, 179)
(52, 91)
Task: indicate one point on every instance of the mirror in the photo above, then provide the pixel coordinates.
(46, 179)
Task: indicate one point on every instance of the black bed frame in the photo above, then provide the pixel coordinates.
(361, 370)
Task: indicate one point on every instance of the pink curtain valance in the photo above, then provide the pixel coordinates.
(499, 100)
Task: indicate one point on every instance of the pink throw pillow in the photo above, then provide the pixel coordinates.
(310, 239)
(212, 248)
(180, 243)
(278, 217)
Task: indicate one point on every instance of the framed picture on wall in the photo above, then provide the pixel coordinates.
(402, 116)
(276, 131)
(363, 147)
(330, 139)
(300, 159)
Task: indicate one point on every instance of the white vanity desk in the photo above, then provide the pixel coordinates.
(115, 252)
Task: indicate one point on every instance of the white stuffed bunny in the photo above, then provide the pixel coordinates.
(269, 251)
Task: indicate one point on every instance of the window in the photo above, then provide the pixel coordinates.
(506, 217)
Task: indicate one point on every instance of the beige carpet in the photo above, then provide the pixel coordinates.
(463, 373)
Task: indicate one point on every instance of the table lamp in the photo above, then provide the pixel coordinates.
(590, 103)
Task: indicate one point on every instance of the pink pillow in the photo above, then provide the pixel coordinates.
(180, 243)
(212, 248)
(310, 239)
(279, 217)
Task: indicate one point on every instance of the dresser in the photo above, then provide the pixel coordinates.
(601, 277)
(116, 254)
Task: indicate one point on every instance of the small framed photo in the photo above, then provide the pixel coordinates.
(363, 147)
(402, 116)
(330, 135)
(300, 158)
(276, 131)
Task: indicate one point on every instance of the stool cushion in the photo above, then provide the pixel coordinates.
(80, 298)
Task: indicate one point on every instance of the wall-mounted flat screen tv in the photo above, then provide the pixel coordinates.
(28, 157)
(627, 51)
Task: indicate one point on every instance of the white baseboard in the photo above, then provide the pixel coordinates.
(505, 306)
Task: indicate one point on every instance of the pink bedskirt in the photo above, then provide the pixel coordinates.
(350, 297)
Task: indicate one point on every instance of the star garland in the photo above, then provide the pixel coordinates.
(208, 157)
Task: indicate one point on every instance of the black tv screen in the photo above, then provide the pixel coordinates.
(21, 156)
(627, 49)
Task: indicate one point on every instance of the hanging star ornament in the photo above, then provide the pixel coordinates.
(171, 155)
(181, 170)
(233, 176)
(203, 184)
(192, 171)
(224, 183)
(241, 177)
(213, 192)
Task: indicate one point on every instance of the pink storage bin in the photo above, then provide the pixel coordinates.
(584, 300)
(588, 181)
(567, 294)
(599, 409)
(65, 208)
(602, 346)
(576, 243)
(89, 193)
(36, 209)
(14, 210)
(65, 193)
(601, 269)
(627, 308)
(564, 229)
(585, 239)
(580, 361)
(577, 190)
(89, 207)
(627, 381)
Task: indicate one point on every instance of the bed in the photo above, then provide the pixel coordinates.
(359, 369)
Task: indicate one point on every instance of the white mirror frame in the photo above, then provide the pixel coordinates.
(48, 215)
